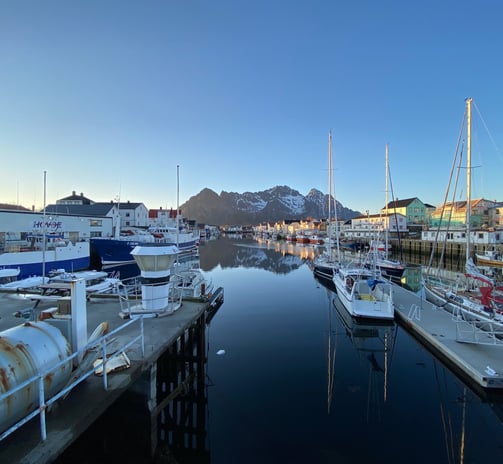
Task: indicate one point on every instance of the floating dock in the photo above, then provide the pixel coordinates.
(473, 354)
(71, 415)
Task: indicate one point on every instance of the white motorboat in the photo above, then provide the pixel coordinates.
(363, 293)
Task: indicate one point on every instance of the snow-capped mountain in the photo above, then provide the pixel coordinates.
(272, 205)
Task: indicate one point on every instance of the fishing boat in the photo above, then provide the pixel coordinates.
(115, 251)
(42, 248)
(174, 232)
(35, 255)
(364, 293)
(301, 238)
(316, 239)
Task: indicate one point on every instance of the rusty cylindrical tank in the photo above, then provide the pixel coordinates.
(26, 350)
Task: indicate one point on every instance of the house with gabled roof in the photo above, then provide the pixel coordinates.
(454, 214)
(414, 210)
(121, 214)
(75, 199)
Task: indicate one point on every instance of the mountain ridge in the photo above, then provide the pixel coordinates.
(272, 205)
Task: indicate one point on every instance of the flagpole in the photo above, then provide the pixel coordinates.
(44, 229)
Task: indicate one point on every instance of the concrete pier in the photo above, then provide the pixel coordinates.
(480, 364)
(71, 416)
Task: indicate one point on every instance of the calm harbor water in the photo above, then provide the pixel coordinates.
(300, 382)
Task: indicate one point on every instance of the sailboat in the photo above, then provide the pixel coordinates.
(471, 304)
(326, 264)
(387, 266)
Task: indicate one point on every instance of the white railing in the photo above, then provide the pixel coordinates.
(478, 331)
(414, 312)
(99, 345)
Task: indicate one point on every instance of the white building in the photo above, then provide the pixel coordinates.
(477, 237)
(367, 227)
(18, 226)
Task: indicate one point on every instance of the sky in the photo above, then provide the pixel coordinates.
(109, 97)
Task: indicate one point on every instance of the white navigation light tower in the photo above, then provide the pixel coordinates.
(155, 263)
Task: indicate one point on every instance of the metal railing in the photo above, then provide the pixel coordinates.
(477, 331)
(86, 370)
(414, 312)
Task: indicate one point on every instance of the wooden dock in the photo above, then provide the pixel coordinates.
(181, 335)
(480, 364)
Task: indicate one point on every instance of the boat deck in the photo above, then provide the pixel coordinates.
(480, 363)
(83, 405)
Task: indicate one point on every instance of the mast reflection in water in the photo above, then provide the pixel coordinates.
(302, 382)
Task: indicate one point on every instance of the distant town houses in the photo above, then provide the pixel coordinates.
(408, 217)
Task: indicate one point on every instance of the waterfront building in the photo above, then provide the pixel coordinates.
(366, 227)
(414, 210)
(121, 214)
(454, 214)
(17, 226)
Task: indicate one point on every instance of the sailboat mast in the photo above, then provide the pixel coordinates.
(468, 173)
(329, 178)
(177, 204)
(330, 182)
(386, 221)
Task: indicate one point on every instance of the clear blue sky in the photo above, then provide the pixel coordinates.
(110, 96)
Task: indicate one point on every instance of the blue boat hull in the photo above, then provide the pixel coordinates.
(112, 251)
(31, 263)
(36, 269)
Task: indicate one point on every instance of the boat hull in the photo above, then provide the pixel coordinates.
(485, 261)
(113, 251)
(30, 263)
(363, 305)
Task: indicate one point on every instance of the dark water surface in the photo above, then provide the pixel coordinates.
(300, 382)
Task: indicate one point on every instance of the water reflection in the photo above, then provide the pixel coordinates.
(279, 257)
(302, 382)
(407, 391)
(374, 345)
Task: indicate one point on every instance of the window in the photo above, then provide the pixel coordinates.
(96, 222)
